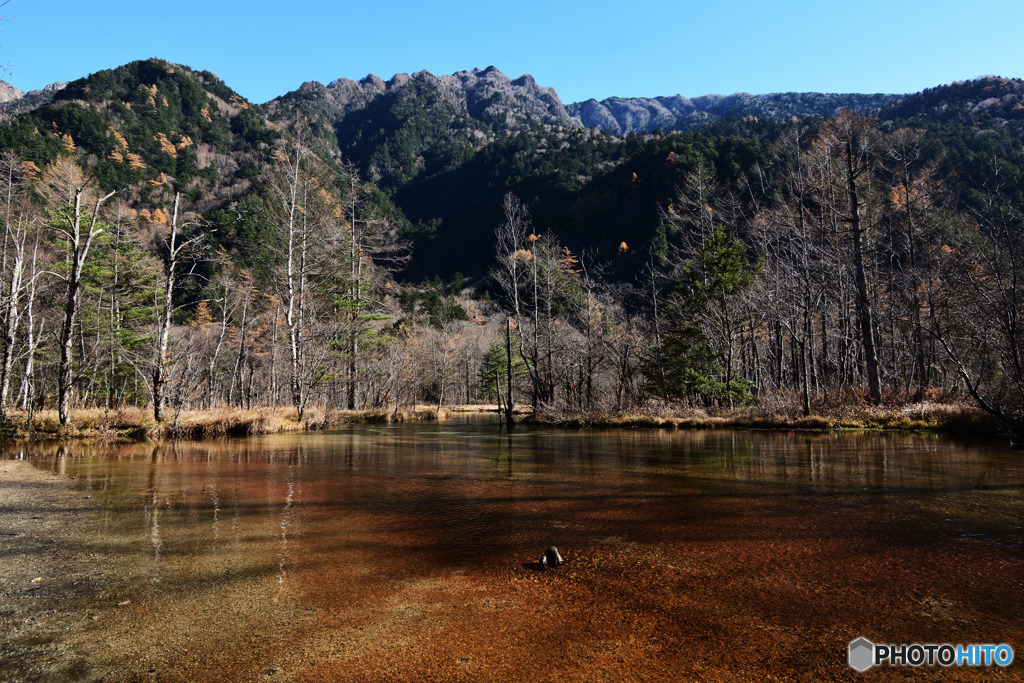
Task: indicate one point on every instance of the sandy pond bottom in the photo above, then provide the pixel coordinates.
(408, 553)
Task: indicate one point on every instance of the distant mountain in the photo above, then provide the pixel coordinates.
(989, 100)
(8, 93)
(422, 123)
(445, 149)
(144, 122)
(487, 96)
(14, 101)
(621, 115)
(415, 126)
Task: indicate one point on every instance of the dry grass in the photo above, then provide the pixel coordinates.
(203, 424)
(419, 413)
(137, 424)
(913, 417)
(131, 424)
(923, 416)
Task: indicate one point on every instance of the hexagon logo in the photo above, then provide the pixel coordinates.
(862, 654)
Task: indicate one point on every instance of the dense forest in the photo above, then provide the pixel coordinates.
(168, 244)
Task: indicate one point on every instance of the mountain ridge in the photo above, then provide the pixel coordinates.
(484, 89)
(14, 101)
(444, 150)
(471, 91)
(505, 104)
(624, 115)
(420, 124)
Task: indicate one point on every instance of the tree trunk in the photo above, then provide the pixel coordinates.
(509, 402)
(79, 251)
(355, 274)
(12, 323)
(293, 315)
(164, 322)
(216, 349)
(33, 336)
(860, 277)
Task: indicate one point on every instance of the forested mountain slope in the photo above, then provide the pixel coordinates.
(447, 160)
(145, 119)
(419, 124)
(445, 149)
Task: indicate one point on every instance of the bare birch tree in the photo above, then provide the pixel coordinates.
(173, 247)
(78, 235)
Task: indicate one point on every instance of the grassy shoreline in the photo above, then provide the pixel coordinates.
(913, 418)
(137, 424)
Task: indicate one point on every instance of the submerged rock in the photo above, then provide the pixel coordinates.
(551, 558)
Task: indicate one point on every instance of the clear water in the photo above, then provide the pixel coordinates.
(468, 490)
(364, 543)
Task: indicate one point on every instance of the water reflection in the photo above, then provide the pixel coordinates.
(151, 511)
(286, 522)
(451, 493)
(811, 460)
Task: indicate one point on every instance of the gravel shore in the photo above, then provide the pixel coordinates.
(48, 577)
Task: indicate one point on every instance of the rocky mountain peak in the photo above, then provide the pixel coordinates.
(8, 93)
(15, 101)
(487, 95)
(372, 82)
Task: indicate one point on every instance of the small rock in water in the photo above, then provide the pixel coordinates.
(551, 558)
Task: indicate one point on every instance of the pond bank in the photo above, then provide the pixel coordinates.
(137, 424)
(916, 417)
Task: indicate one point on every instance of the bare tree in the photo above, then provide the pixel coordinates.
(79, 236)
(17, 237)
(855, 137)
(33, 332)
(173, 247)
(510, 248)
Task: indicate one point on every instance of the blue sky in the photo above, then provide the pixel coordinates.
(582, 49)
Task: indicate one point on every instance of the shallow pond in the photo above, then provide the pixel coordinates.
(409, 552)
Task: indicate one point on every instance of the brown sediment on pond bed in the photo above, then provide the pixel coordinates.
(696, 587)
